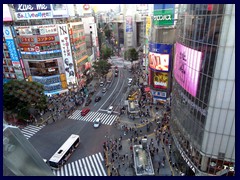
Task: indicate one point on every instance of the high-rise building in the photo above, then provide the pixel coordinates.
(203, 95)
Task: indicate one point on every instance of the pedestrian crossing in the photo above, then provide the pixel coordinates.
(107, 119)
(88, 166)
(30, 130)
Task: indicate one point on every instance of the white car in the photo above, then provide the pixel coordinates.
(110, 110)
(101, 84)
(97, 123)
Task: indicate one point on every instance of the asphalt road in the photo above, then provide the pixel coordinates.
(51, 137)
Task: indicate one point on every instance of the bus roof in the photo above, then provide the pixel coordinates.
(64, 148)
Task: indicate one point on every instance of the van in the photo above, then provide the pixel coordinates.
(101, 84)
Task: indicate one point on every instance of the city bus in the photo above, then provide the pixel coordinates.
(64, 152)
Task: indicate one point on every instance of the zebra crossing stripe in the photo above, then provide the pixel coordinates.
(89, 167)
(30, 130)
(78, 169)
(96, 164)
(82, 170)
(108, 119)
(78, 115)
(62, 173)
(73, 169)
(85, 167)
(115, 117)
(101, 156)
(89, 118)
(94, 169)
(104, 173)
(27, 133)
(66, 172)
(70, 169)
(58, 173)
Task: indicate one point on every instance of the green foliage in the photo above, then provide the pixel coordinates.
(106, 53)
(101, 67)
(19, 96)
(131, 54)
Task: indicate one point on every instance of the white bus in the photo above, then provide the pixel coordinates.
(64, 152)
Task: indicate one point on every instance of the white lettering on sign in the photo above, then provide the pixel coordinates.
(41, 6)
(24, 7)
(162, 17)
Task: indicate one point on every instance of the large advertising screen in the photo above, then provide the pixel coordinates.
(186, 68)
(159, 80)
(66, 53)
(129, 25)
(159, 61)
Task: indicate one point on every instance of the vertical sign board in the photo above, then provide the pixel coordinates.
(66, 53)
(129, 24)
(13, 52)
(148, 25)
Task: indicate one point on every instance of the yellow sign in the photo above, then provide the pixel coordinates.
(148, 25)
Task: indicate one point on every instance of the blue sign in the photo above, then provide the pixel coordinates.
(12, 50)
(39, 53)
(163, 6)
(49, 80)
(160, 48)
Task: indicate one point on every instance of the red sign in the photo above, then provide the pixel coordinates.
(86, 6)
(46, 38)
(27, 39)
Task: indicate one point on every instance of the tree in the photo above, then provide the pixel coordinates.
(101, 67)
(20, 96)
(106, 53)
(133, 54)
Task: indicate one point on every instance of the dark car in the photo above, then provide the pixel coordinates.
(88, 102)
(97, 98)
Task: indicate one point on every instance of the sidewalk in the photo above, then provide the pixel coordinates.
(126, 167)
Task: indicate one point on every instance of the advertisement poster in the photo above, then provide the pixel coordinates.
(186, 68)
(36, 30)
(160, 80)
(47, 80)
(31, 7)
(158, 61)
(66, 53)
(163, 17)
(129, 24)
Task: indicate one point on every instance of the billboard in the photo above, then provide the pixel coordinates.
(47, 80)
(159, 80)
(163, 17)
(66, 52)
(36, 30)
(129, 24)
(6, 13)
(186, 68)
(158, 61)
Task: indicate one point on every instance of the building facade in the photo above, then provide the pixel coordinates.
(203, 95)
(49, 45)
